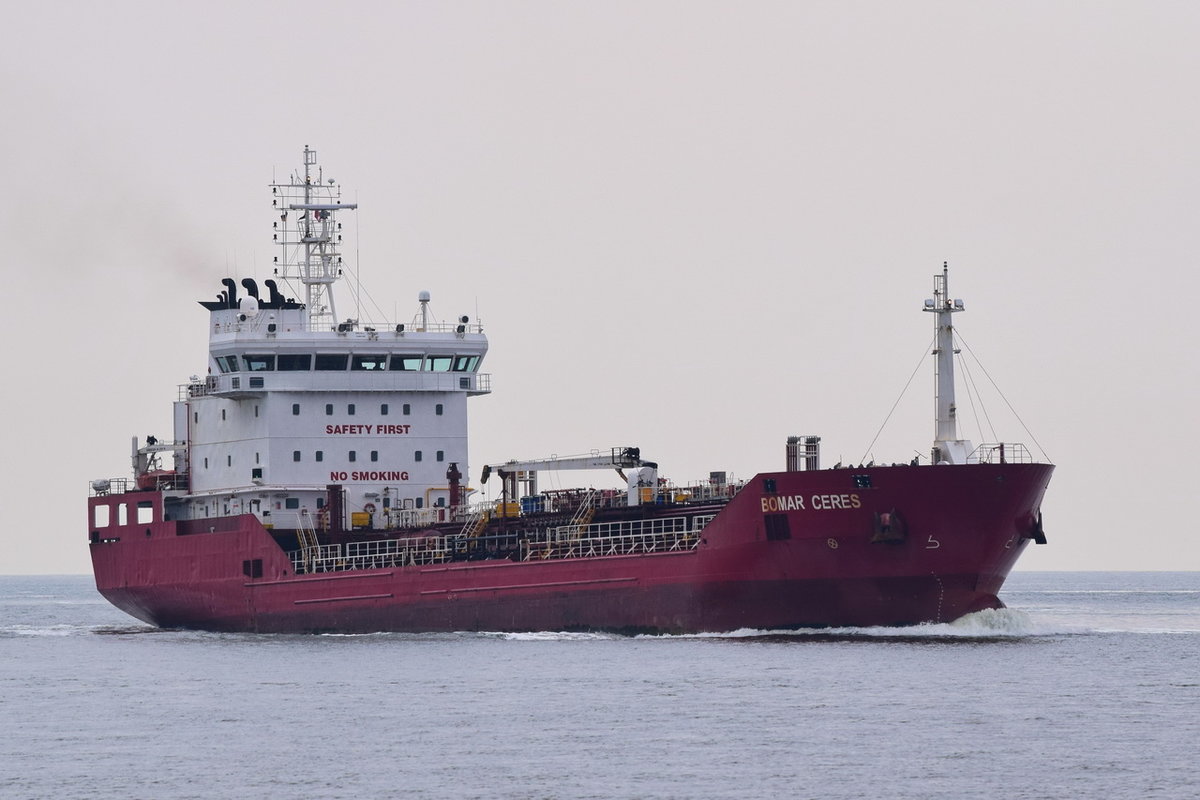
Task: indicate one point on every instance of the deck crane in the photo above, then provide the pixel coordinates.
(520, 477)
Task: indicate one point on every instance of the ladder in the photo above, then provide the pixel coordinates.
(475, 524)
(306, 536)
(585, 512)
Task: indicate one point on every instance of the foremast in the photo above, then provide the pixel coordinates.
(947, 447)
(310, 236)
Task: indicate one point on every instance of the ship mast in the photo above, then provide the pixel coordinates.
(947, 447)
(310, 235)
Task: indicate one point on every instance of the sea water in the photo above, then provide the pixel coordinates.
(1087, 686)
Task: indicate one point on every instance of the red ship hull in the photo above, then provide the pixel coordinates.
(790, 550)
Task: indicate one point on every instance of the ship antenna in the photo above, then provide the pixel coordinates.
(310, 238)
(947, 447)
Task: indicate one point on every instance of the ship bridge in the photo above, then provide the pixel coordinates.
(299, 404)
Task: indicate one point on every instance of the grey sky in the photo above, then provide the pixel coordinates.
(693, 227)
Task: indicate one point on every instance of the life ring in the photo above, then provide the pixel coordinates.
(369, 508)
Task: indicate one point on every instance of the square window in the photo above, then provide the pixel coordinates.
(329, 409)
(294, 363)
(374, 455)
(417, 456)
(291, 502)
(295, 455)
(331, 363)
(368, 363)
(407, 409)
(407, 363)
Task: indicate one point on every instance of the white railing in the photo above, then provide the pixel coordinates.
(385, 554)
(663, 535)
(106, 486)
(1000, 453)
(337, 380)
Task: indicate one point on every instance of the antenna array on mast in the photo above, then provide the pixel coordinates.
(310, 236)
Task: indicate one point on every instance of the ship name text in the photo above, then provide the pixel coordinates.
(816, 502)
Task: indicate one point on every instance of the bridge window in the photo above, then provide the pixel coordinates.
(331, 362)
(409, 363)
(465, 363)
(440, 363)
(292, 362)
(228, 363)
(261, 363)
(361, 363)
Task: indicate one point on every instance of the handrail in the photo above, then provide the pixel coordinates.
(1000, 453)
(631, 537)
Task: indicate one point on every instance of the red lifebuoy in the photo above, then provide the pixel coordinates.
(369, 508)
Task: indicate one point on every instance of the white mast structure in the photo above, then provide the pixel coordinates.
(310, 236)
(947, 447)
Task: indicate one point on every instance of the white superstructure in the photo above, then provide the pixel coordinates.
(296, 400)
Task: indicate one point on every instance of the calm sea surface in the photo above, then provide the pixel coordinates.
(1088, 686)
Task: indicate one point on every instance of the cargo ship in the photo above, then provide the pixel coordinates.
(316, 482)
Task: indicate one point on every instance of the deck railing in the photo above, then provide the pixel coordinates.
(1000, 453)
(632, 537)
